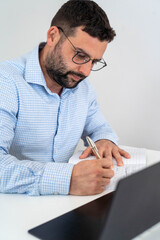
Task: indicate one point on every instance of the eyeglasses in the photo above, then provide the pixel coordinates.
(81, 57)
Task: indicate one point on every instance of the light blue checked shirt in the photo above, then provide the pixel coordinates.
(39, 130)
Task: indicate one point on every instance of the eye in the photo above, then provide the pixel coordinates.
(81, 58)
(81, 55)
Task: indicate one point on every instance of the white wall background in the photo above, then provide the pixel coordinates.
(129, 88)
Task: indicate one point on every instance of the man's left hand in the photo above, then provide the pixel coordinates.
(107, 149)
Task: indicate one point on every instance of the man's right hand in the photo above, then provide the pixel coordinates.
(90, 177)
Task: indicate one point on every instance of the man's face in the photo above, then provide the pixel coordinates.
(58, 70)
(59, 65)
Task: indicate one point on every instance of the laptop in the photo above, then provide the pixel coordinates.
(120, 215)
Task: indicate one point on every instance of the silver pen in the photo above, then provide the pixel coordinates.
(93, 147)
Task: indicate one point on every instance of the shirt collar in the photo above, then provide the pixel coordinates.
(33, 72)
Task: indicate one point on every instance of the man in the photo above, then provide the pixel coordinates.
(47, 104)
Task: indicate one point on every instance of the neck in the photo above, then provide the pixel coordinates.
(51, 84)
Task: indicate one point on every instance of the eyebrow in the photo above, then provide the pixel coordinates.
(82, 50)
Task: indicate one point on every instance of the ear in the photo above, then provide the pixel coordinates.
(53, 36)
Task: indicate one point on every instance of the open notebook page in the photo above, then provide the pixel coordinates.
(136, 163)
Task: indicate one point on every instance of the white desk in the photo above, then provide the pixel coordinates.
(19, 213)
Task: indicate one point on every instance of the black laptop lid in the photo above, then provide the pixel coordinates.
(83, 223)
(133, 208)
(136, 205)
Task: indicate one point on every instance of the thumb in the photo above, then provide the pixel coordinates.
(86, 153)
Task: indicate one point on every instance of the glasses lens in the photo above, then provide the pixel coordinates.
(81, 58)
(98, 65)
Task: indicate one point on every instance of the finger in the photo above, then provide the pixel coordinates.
(101, 185)
(100, 151)
(100, 190)
(108, 155)
(86, 153)
(108, 173)
(105, 181)
(118, 158)
(124, 153)
(106, 163)
(105, 152)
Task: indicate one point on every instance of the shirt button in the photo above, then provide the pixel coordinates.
(56, 151)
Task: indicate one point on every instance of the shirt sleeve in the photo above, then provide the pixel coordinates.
(25, 176)
(96, 126)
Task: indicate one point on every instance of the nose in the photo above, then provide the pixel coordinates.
(85, 69)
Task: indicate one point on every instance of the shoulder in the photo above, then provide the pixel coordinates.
(11, 73)
(10, 69)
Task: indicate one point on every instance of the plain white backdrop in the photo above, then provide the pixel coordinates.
(129, 88)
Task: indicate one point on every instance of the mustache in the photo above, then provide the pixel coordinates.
(77, 74)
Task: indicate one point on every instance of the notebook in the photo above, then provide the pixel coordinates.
(136, 163)
(120, 215)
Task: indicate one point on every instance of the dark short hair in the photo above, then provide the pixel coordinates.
(75, 13)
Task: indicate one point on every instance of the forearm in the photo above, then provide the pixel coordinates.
(33, 178)
(96, 126)
(102, 131)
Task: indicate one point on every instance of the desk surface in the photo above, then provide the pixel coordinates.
(19, 213)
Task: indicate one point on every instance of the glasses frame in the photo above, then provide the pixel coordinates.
(77, 52)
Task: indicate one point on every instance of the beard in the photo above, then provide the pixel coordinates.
(57, 70)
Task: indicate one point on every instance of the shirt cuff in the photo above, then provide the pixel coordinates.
(111, 137)
(56, 179)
